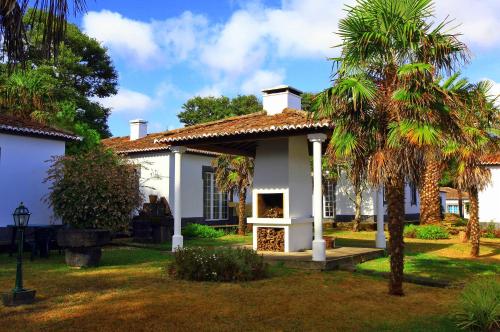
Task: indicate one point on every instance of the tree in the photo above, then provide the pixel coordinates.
(97, 189)
(235, 174)
(435, 162)
(307, 101)
(82, 72)
(13, 31)
(205, 109)
(385, 96)
(33, 94)
(481, 129)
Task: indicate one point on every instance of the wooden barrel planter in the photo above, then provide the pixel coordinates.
(83, 247)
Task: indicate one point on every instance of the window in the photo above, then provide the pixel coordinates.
(413, 193)
(452, 208)
(329, 199)
(214, 201)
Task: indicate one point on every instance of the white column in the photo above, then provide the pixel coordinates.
(380, 238)
(318, 245)
(177, 240)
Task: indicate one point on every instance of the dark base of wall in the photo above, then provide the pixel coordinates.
(233, 220)
(372, 218)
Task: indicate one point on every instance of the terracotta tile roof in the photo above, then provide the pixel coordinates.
(493, 159)
(452, 193)
(19, 126)
(124, 145)
(287, 121)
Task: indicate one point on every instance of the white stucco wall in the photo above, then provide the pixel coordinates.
(155, 173)
(489, 199)
(345, 199)
(23, 167)
(283, 165)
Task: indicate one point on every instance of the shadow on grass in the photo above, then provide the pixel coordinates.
(438, 268)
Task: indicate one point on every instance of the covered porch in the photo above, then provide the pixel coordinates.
(281, 139)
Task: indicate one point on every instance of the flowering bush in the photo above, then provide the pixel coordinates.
(222, 264)
(94, 190)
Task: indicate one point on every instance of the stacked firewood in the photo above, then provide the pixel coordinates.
(274, 212)
(270, 239)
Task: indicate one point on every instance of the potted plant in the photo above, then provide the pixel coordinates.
(93, 194)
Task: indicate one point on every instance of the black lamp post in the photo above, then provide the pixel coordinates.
(19, 295)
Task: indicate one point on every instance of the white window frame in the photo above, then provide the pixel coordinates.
(329, 188)
(214, 192)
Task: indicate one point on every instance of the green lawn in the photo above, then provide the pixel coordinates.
(446, 260)
(131, 290)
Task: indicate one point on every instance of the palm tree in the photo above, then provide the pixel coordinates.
(235, 174)
(481, 120)
(12, 30)
(385, 78)
(435, 161)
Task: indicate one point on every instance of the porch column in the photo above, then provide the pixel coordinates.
(177, 241)
(380, 238)
(318, 245)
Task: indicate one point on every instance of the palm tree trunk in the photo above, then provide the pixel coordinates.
(396, 214)
(460, 204)
(475, 231)
(357, 208)
(242, 227)
(430, 203)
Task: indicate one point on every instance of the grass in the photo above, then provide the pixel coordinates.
(132, 290)
(436, 259)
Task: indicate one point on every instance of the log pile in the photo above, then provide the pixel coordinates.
(274, 212)
(270, 239)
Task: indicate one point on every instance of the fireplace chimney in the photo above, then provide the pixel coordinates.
(276, 99)
(138, 129)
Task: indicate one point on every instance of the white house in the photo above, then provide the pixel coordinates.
(177, 163)
(25, 148)
(338, 201)
(489, 199)
(452, 201)
(203, 203)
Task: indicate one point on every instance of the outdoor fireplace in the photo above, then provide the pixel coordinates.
(271, 239)
(270, 205)
(282, 196)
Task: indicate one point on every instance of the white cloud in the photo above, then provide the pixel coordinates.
(124, 37)
(179, 36)
(262, 79)
(129, 102)
(478, 20)
(146, 43)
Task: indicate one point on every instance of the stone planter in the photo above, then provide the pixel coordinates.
(83, 246)
(153, 230)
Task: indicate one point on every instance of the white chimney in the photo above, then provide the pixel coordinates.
(138, 129)
(275, 100)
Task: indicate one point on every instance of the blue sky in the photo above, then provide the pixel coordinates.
(169, 51)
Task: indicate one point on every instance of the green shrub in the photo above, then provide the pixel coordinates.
(490, 232)
(97, 189)
(432, 232)
(479, 306)
(410, 231)
(460, 222)
(202, 231)
(220, 264)
(426, 232)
